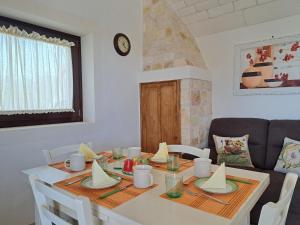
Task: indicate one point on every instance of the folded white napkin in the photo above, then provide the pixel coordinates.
(162, 153)
(217, 180)
(88, 153)
(99, 177)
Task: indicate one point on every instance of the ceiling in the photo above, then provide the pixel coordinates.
(204, 17)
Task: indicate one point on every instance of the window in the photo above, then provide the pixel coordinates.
(40, 75)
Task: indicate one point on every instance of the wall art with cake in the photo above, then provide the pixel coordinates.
(268, 67)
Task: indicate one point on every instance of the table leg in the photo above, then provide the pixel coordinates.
(36, 216)
(246, 220)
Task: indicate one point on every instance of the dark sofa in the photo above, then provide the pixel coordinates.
(265, 144)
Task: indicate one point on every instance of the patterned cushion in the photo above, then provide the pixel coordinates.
(233, 150)
(289, 158)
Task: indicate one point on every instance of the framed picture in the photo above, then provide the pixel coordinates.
(268, 67)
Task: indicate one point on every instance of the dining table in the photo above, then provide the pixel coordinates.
(150, 208)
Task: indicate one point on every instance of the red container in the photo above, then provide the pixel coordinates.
(128, 166)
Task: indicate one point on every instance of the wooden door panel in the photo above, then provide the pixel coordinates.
(170, 115)
(150, 117)
(160, 114)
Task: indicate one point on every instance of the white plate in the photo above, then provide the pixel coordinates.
(230, 187)
(158, 160)
(88, 183)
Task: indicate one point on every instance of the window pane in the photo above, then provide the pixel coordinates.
(35, 76)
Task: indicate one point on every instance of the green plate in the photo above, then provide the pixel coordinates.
(88, 183)
(230, 187)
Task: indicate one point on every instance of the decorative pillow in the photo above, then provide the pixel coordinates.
(233, 150)
(289, 158)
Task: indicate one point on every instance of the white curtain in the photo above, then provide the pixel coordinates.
(35, 73)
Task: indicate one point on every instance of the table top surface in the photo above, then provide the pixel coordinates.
(149, 208)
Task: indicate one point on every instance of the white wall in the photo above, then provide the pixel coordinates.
(218, 51)
(114, 89)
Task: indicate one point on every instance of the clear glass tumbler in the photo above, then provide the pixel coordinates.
(173, 163)
(174, 185)
(103, 162)
(117, 153)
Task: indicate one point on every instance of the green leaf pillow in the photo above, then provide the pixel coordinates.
(233, 150)
(289, 158)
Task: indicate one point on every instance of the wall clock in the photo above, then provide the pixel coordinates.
(122, 44)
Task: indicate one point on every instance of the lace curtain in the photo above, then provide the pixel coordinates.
(35, 73)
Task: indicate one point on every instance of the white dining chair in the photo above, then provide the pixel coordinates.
(45, 195)
(276, 213)
(61, 153)
(201, 153)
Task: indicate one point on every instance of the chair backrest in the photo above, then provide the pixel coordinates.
(61, 153)
(276, 213)
(44, 194)
(201, 153)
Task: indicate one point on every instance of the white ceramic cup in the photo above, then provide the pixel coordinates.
(133, 152)
(76, 162)
(202, 167)
(142, 177)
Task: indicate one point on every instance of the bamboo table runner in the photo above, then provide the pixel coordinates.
(93, 194)
(236, 199)
(61, 165)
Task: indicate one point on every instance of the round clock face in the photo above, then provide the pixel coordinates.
(122, 44)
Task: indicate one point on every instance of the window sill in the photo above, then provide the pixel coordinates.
(9, 129)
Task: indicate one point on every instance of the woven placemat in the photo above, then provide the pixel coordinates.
(61, 165)
(109, 202)
(236, 199)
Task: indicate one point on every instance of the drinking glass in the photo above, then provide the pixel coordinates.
(117, 153)
(174, 185)
(103, 162)
(173, 163)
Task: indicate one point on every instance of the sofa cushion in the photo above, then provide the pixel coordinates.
(289, 158)
(233, 150)
(237, 127)
(272, 194)
(291, 219)
(278, 130)
(273, 191)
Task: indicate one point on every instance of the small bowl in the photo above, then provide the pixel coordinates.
(272, 83)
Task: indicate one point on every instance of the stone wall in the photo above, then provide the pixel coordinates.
(196, 111)
(167, 41)
(169, 44)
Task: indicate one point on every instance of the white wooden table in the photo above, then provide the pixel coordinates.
(150, 209)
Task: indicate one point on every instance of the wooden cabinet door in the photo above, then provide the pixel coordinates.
(170, 112)
(160, 114)
(150, 116)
